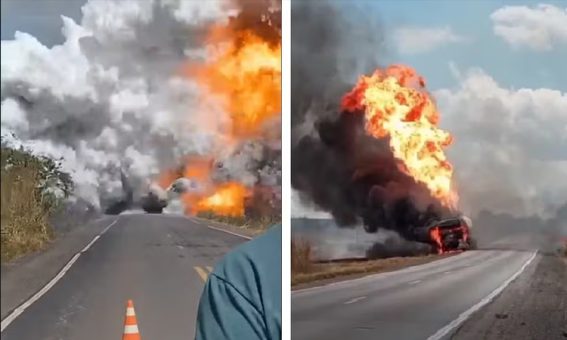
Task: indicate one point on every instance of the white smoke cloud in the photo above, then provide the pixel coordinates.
(510, 149)
(540, 28)
(111, 97)
(414, 40)
(302, 208)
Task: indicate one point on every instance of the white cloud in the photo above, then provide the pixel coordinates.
(414, 40)
(540, 28)
(510, 149)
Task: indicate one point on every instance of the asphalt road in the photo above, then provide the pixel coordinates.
(160, 262)
(413, 303)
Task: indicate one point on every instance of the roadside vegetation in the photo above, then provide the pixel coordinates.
(254, 224)
(261, 213)
(306, 270)
(32, 189)
(301, 257)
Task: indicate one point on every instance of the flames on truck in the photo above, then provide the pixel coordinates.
(447, 235)
(381, 162)
(397, 107)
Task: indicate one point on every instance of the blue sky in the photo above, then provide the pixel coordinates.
(40, 18)
(514, 68)
(510, 67)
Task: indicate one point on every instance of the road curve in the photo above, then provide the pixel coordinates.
(158, 261)
(413, 303)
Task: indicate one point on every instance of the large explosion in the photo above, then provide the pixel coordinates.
(382, 159)
(154, 94)
(243, 74)
(397, 107)
(367, 146)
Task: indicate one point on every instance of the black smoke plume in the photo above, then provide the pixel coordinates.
(335, 164)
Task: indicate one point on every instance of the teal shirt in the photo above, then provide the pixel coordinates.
(242, 297)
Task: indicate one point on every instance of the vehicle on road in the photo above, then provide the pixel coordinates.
(448, 234)
(153, 204)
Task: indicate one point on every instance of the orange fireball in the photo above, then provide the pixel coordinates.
(227, 200)
(245, 75)
(242, 73)
(396, 106)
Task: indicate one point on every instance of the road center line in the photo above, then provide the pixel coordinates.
(202, 273)
(355, 300)
(229, 232)
(21, 308)
(466, 314)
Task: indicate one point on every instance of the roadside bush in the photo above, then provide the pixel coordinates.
(301, 261)
(32, 189)
(248, 222)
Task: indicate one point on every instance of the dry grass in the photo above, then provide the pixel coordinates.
(24, 216)
(33, 188)
(253, 224)
(301, 256)
(327, 271)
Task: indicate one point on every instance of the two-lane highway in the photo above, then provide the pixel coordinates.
(422, 302)
(158, 261)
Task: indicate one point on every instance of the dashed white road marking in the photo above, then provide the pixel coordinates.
(180, 247)
(229, 232)
(447, 272)
(414, 282)
(355, 300)
(440, 334)
(21, 308)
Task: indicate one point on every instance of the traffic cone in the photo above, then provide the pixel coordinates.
(131, 324)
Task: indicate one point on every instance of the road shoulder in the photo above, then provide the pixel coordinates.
(326, 273)
(20, 279)
(534, 306)
(246, 232)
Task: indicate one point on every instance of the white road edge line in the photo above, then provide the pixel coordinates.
(229, 232)
(466, 314)
(355, 300)
(21, 308)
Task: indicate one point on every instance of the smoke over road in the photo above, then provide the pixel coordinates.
(115, 100)
(343, 167)
(339, 161)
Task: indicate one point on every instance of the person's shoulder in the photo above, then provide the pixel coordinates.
(246, 286)
(254, 255)
(254, 270)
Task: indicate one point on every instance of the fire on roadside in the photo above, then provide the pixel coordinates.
(396, 106)
(226, 199)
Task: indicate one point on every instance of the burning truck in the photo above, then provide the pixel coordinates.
(380, 161)
(447, 235)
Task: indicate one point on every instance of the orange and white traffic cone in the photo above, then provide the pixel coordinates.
(131, 331)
